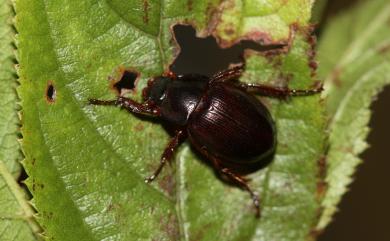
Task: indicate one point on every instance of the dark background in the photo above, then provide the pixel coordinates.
(364, 213)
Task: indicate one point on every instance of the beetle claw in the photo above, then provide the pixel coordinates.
(150, 179)
(256, 203)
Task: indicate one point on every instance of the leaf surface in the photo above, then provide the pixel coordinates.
(16, 221)
(355, 61)
(87, 164)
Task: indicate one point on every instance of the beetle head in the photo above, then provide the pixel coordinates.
(156, 89)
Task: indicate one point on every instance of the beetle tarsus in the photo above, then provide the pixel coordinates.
(150, 179)
(101, 102)
(256, 203)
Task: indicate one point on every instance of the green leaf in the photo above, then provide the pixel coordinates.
(267, 21)
(16, 221)
(355, 61)
(87, 164)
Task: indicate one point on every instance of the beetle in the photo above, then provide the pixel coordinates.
(219, 115)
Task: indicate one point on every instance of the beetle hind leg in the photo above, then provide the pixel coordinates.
(239, 181)
(236, 179)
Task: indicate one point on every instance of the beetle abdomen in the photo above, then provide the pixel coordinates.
(232, 124)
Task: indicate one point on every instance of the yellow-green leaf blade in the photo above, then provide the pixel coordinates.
(355, 57)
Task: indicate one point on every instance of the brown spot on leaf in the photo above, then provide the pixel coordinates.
(112, 207)
(146, 11)
(312, 40)
(139, 127)
(313, 65)
(336, 77)
(119, 215)
(36, 185)
(322, 186)
(190, 4)
(322, 167)
(384, 49)
(321, 190)
(200, 234)
(213, 15)
(261, 37)
(48, 215)
(50, 92)
(229, 30)
(276, 47)
(170, 225)
(321, 175)
(167, 183)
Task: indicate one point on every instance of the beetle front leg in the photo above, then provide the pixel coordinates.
(132, 106)
(167, 154)
(271, 91)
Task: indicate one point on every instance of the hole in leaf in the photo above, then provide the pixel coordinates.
(204, 56)
(126, 82)
(51, 93)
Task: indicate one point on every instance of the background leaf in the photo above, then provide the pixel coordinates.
(16, 221)
(355, 61)
(86, 164)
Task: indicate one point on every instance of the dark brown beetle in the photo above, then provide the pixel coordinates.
(219, 115)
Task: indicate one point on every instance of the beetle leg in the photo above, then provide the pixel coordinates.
(240, 181)
(229, 74)
(272, 91)
(167, 154)
(235, 178)
(132, 106)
